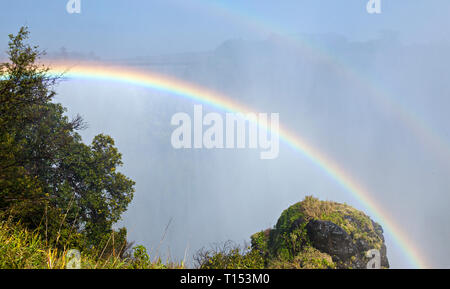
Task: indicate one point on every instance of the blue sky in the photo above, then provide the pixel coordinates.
(140, 27)
(333, 112)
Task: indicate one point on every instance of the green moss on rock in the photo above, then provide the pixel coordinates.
(320, 234)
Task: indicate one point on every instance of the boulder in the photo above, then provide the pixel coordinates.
(321, 234)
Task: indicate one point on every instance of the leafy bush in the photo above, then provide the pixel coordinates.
(228, 256)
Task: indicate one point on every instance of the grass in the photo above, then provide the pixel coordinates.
(286, 245)
(24, 249)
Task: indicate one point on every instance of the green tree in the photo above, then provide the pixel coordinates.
(50, 179)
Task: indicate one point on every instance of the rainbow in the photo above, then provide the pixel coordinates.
(99, 71)
(387, 102)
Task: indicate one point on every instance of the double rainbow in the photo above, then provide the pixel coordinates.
(186, 90)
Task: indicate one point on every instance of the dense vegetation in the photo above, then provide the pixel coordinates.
(21, 248)
(56, 192)
(310, 234)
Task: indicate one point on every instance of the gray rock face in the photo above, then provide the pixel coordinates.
(328, 237)
(322, 234)
(346, 251)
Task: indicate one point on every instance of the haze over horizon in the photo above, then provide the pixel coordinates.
(253, 52)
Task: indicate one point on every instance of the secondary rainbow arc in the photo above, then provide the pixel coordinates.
(385, 99)
(99, 71)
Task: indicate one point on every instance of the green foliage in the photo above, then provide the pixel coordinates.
(308, 258)
(287, 245)
(49, 179)
(21, 248)
(311, 258)
(141, 258)
(259, 242)
(228, 256)
(289, 236)
(290, 227)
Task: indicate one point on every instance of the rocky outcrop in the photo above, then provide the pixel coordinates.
(329, 238)
(321, 234)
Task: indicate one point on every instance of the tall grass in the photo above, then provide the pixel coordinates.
(24, 249)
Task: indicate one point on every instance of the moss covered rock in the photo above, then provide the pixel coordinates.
(320, 234)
